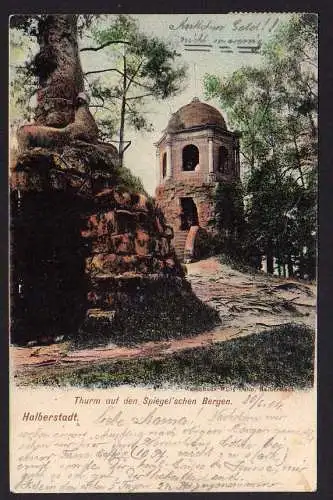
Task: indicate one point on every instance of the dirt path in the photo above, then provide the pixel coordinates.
(245, 301)
(246, 304)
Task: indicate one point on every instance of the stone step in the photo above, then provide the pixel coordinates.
(179, 241)
(180, 238)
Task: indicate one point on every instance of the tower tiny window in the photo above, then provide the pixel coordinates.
(223, 159)
(164, 165)
(190, 157)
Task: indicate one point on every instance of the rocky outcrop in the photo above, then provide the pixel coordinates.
(137, 289)
(96, 256)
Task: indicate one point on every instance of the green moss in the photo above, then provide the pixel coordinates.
(129, 181)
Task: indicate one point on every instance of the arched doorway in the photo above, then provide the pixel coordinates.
(189, 214)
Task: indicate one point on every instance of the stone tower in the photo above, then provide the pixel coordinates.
(195, 152)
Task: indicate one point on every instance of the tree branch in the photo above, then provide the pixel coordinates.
(104, 71)
(141, 85)
(309, 59)
(106, 44)
(129, 106)
(139, 96)
(100, 106)
(265, 110)
(247, 158)
(133, 76)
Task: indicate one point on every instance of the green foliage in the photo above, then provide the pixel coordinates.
(130, 181)
(140, 68)
(275, 108)
(228, 224)
(26, 24)
(240, 261)
(228, 206)
(149, 60)
(23, 84)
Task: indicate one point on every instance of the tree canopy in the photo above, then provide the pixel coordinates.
(139, 67)
(275, 108)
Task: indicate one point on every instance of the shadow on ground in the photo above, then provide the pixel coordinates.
(280, 358)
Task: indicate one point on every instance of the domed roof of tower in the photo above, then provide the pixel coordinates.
(195, 114)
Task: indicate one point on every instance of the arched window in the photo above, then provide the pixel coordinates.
(190, 157)
(164, 165)
(223, 165)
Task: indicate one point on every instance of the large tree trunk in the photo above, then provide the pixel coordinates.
(270, 258)
(290, 267)
(58, 68)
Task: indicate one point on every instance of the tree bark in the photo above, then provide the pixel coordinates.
(58, 69)
(290, 267)
(122, 115)
(269, 257)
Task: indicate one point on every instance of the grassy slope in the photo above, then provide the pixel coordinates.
(279, 358)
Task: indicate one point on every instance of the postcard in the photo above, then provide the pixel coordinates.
(163, 193)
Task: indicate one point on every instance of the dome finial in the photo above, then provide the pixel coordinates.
(195, 99)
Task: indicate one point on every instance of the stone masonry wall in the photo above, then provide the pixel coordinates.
(109, 255)
(168, 199)
(128, 236)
